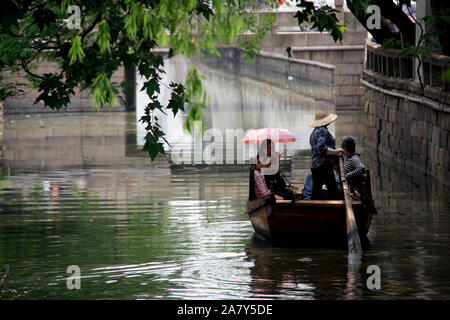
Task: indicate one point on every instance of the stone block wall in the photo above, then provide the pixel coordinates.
(348, 62)
(310, 78)
(51, 141)
(405, 121)
(410, 133)
(80, 102)
(286, 33)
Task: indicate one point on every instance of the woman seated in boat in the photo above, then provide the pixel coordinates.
(269, 165)
(353, 166)
(259, 185)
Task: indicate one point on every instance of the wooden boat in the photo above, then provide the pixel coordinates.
(310, 222)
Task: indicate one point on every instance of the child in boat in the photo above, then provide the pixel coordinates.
(353, 166)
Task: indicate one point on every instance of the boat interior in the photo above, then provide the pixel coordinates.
(298, 199)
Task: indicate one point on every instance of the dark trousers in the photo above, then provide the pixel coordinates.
(280, 186)
(324, 175)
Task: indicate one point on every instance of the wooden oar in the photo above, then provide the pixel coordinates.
(354, 243)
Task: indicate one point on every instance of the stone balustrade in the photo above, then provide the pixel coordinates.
(399, 72)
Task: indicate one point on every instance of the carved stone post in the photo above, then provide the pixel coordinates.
(339, 4)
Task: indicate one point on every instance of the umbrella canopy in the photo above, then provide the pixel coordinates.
(274, 134)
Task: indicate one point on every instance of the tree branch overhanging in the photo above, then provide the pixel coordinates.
(391, 12)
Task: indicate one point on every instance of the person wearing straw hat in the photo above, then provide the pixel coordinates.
(323, 151)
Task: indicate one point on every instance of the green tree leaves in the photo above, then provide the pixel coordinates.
(53, 92)
(323, 18)
(103, 92)
(76, 50)
(104, 37)
(177, 99)
(115, 33)
(196, 96)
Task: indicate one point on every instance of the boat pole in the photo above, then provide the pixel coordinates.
(354, 243)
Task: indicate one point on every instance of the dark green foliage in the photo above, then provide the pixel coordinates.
(178, 98)
(323, 18)
(115, 33)
(426, 42)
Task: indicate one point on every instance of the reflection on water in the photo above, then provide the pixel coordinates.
(75, 191)
(128, 230)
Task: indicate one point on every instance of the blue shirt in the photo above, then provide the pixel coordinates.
(320, 140)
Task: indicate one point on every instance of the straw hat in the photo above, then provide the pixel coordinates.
(322, 118)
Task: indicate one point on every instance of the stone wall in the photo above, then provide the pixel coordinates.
(287, 33)
(310, 78)
(80, 102)
(405, 121)
(410, 133)
(348, 63)
(347, 56)
(53, 141)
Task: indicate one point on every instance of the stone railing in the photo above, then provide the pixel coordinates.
(310, 78)
(399, 73)
(388, 63)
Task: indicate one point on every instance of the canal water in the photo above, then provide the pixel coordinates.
(76, 190)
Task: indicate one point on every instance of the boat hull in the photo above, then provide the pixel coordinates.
(307, 222)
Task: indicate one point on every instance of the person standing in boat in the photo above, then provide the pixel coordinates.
(323, 155)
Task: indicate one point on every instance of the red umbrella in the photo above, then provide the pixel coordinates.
(274, 134)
